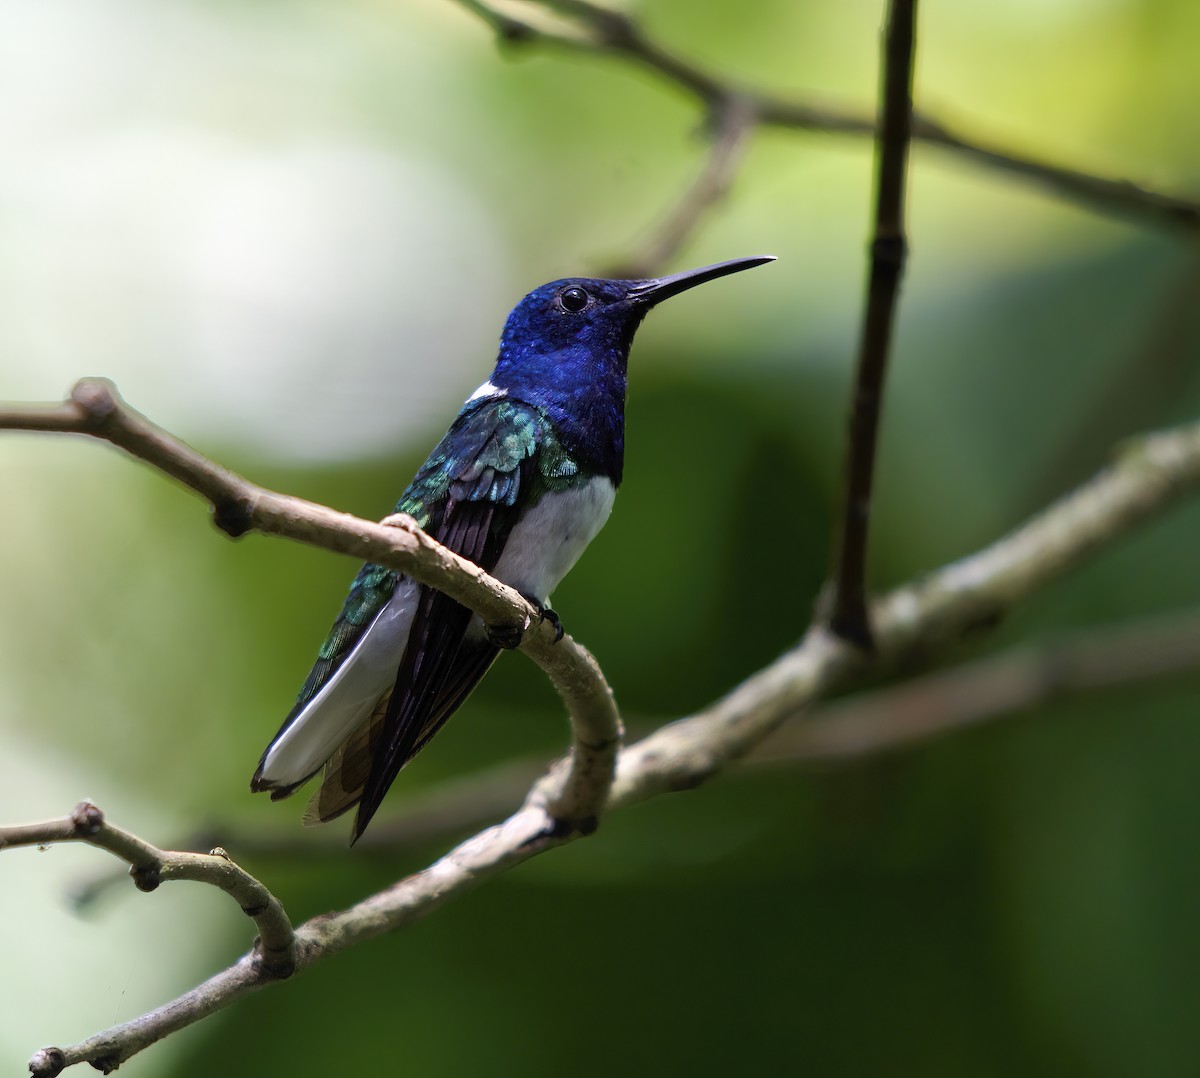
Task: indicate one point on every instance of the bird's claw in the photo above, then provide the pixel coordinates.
(544, 613)
(555, 621)
(508, 637)
(559, 828)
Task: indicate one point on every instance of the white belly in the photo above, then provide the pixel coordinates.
(549, 539)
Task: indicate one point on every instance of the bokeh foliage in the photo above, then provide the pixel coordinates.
(1016, 900)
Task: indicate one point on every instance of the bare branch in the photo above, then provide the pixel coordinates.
(1101, 193)
(1150, 475)
(999, 686)
(731, 127)
(508, 30)
(238, 506)
(488, 853)
(108, 1050)
(150, 866)
(610, 33)
(273, 957)
(444, 812)
(848, 604)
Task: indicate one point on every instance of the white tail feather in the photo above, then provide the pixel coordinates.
(347, 699)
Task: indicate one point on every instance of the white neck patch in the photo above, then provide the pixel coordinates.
(487, 390)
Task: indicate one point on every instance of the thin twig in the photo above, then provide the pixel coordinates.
(1152, 474)
(731, 126)
(1101, 193)
(507, 29)
(485, 855)
(610, 33)
(576, 794)
(149, 866)
(447, 811)
(848, 607)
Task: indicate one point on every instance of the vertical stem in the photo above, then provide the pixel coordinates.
(849, 617)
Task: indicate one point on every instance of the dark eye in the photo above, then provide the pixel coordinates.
(573, 299)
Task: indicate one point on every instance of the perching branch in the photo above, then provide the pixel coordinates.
(1151, 474)
(592, 29)
(848, 605)
(238, 506)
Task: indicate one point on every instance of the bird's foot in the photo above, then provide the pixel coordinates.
(545, 613)
(508, 637)
(559, 828)
(505, 637)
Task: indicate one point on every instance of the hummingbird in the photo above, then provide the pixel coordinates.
(520, 484)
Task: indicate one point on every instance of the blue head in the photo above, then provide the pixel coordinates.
(565, 348)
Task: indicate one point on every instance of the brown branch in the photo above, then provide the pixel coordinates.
(444, 812)
(149, 866)
(600, 31)
(479, 858)
(848, 603)
(575, 794)
(1101, 193)
(1152, 474)
(1004, 685)
(999, 686)
(732, 124)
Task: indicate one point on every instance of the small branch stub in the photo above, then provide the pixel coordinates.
(87, 818)
(47, 1063)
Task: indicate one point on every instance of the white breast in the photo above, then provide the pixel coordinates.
(548, 540)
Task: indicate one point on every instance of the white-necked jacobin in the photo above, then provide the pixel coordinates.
(520, 484)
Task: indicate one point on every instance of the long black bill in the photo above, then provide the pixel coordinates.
(657, 289)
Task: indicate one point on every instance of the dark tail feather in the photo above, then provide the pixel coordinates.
(458, 676)
(347, 770)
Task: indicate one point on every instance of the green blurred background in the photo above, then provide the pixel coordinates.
(291, 232)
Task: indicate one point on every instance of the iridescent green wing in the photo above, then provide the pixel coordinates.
(497, 460)
(494, 446)
(482, 459)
